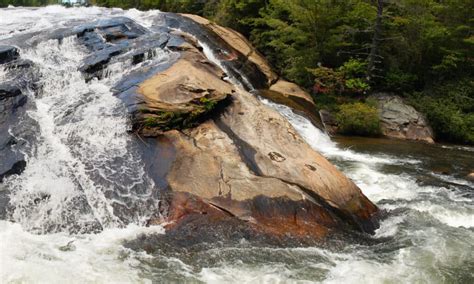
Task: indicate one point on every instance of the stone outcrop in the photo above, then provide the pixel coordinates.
(181, 95)
(289, 89)
(217, 152)
(241, 44)
(251, 164)
(402, 121)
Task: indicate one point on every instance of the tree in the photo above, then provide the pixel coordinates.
(374, 50)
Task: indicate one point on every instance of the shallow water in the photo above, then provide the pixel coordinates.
(85, 194)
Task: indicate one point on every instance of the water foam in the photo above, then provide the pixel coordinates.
(64, 258)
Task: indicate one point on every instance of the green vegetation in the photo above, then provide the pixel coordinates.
(450, 109)
(358, 119)
(27, 3)
(341, 51)
(176, 119)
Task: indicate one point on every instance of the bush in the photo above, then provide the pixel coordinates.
(349, 79)
(449, 109)
(358, 119)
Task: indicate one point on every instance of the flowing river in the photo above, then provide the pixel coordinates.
(85, 194)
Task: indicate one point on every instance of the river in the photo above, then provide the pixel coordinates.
(85, 195)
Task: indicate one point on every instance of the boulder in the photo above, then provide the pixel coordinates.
(250, 164)
(289, 89)
(402, 121)
(226, 160)
(181, 95)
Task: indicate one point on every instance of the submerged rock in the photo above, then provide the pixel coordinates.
(11, 100)
(18, 78)
(8, 53)
(402, 121)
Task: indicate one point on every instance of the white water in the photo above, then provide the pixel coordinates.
(81, 138)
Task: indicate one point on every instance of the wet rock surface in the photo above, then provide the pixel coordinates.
(329, 122)
(18, 77)
(8, 53)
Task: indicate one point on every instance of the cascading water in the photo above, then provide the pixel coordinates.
(84, 192)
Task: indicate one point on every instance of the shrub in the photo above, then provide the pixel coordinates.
(449, 108)
(347, 79)
(358, 119)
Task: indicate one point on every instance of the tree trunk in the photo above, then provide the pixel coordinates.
(375, 41)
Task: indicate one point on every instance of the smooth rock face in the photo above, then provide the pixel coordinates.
(241, 162)
(241, 44)
(249, 163)
(399, 120)
(178, 97)
(237, 64)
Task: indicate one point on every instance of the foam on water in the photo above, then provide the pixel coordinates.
(16, 21)
(64, 258)
(84, 163)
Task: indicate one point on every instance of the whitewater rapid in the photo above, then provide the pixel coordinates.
(88, 175)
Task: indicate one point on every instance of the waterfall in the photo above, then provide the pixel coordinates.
(84, 172)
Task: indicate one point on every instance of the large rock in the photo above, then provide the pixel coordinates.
(402, 121)
(249, 163)
(11, 102)
(279, 90)
(222, 157)
(180, 96)
(240, 43)
(228, 160)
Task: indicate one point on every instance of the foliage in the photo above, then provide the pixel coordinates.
(347, 79)
(324, 45)
(358, 119)
(27, 3)
(450, 110)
